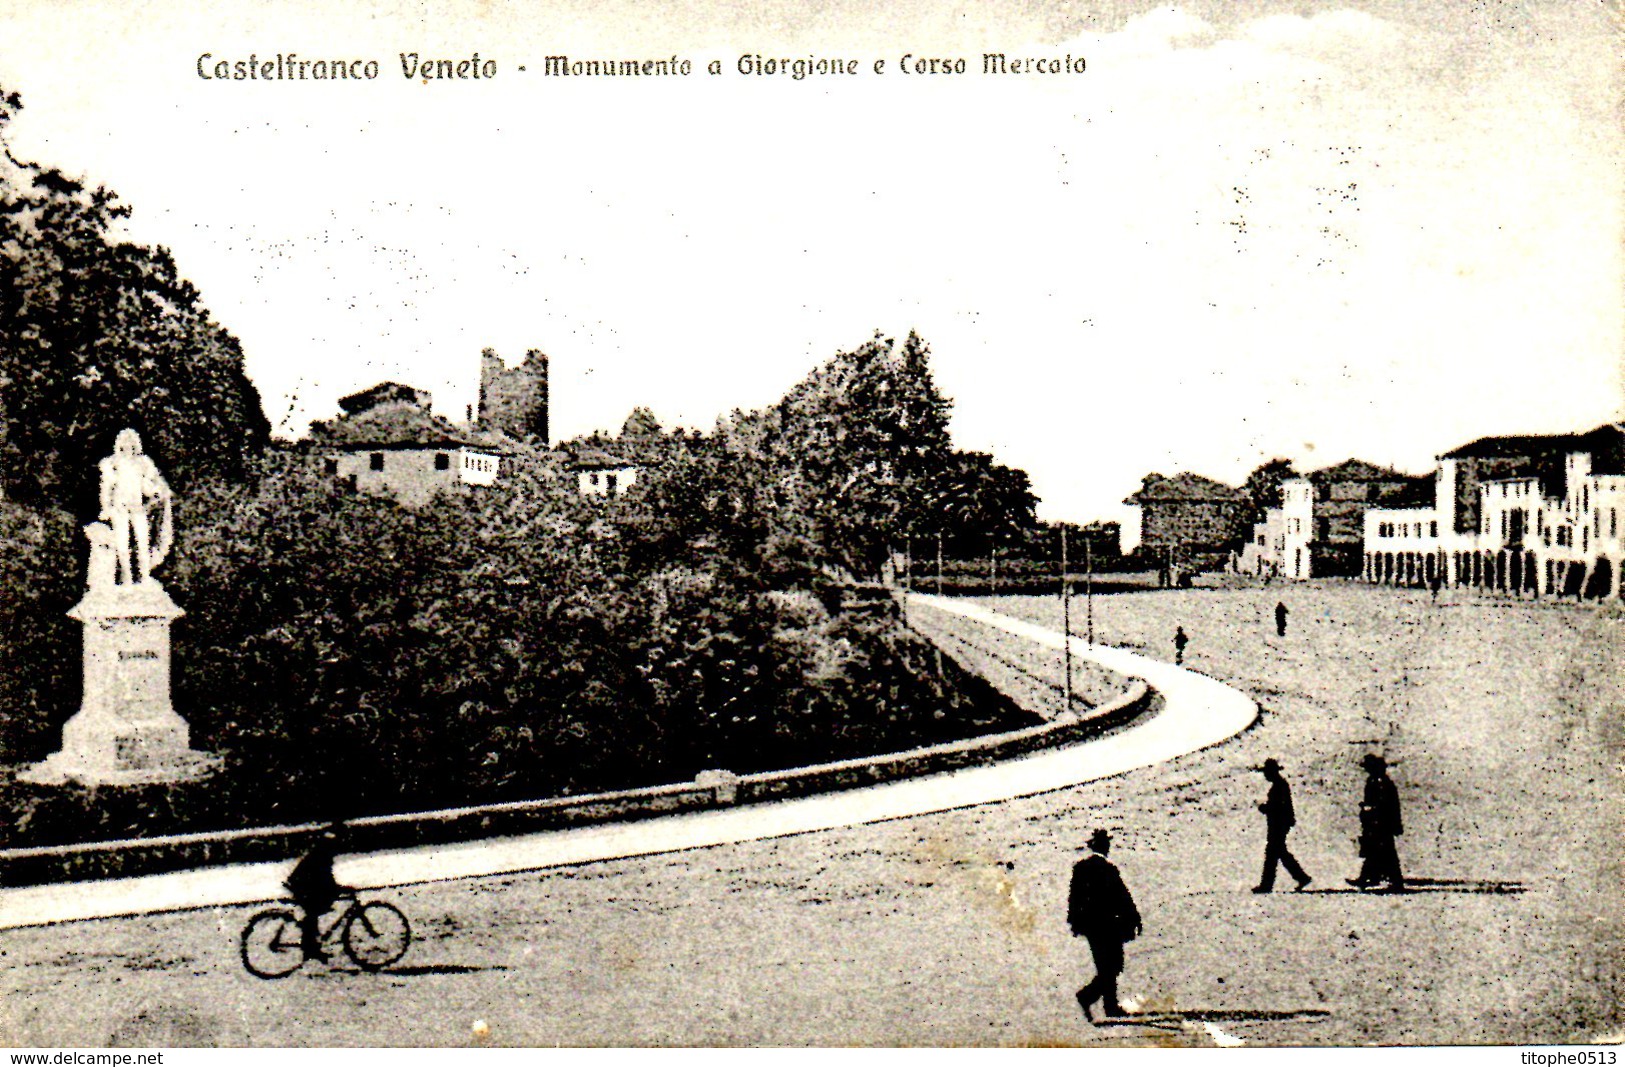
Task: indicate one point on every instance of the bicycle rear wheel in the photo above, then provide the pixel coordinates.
(270, 945)
(376, 935)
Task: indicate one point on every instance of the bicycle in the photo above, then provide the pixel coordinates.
(374, 934)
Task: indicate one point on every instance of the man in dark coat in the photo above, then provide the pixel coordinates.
(1278, 820)
(315, 890)
(1380, 823)
(1100, 910)
(1180, 641)
(1280, 620)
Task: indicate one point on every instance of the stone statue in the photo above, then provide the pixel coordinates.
(130, 486)
(126, 732)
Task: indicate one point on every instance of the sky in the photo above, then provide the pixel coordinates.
(1374, 229)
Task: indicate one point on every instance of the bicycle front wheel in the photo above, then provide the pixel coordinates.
(270, 946)
(376, 935)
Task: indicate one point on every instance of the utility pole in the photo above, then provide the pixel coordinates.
(1066, 625)
(993, 567)
(939, 563)
(1089, 585)
(891, 549)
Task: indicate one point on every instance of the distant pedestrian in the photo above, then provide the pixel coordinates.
(1278, 821)
(1180, 641)
(1100, 910)
(1435, 584)
(1380, 823)
(1280, 620)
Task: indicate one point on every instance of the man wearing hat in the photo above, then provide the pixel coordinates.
(1100, 909)
(1278, 820)
(1379, 825)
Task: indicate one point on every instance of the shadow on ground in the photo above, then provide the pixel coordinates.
(1211, 1015)
(1430, 885)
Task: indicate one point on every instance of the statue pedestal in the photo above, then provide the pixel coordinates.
(125, 732)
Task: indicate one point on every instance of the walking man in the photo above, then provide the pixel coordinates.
(1278, 820)
(1180, 641)
(1380, 823)
(1280, 620)
(1100, 910)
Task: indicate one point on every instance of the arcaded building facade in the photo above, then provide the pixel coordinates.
(1523, 515)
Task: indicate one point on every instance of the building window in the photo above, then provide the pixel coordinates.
(442, 462)
(376, 461)
(1613, 522)
(330, 465)
(1433, 529)
(593, 478)
(610, 482)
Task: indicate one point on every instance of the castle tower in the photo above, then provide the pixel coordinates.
(514, 401)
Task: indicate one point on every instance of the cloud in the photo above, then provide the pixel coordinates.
(1161, 30)
(1328, 35)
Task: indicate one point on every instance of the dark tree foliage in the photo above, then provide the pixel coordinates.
(980, 503)
(1263, 485)
(856, 448)
(641, 425)
(98, 333)
(852, 463)
(40, 579)
(349, 655)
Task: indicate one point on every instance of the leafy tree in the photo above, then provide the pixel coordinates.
(1263, 485)
(977, 502)
(854, 448)
(641, 424)
(98, 333)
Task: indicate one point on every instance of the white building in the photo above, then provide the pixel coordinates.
(1266, 548)
(1538, 515)
(388, 441)
(1318, 531)
(600, 473)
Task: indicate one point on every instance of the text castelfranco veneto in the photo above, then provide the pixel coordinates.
(291, 66)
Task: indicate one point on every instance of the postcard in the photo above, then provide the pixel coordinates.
(852, 524)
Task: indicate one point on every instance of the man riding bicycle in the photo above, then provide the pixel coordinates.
(314, 889)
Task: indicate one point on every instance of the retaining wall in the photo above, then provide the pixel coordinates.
(109, 859)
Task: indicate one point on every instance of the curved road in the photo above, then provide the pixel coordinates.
(1197, 712)
(948, 929)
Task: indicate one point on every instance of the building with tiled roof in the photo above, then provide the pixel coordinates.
(1522, 514)
(1319, 529)
(599, 472)
(388, 440)
(1186, 522)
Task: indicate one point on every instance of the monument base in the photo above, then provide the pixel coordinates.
(64, 767)
(125, 732)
